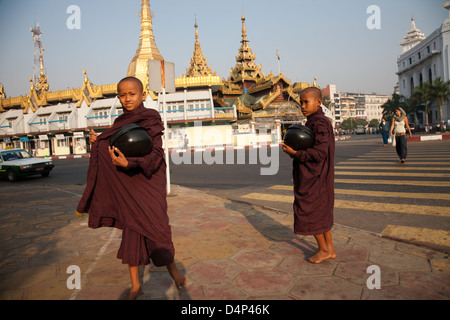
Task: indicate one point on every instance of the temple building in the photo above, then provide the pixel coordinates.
(248, 108)
(259, 99)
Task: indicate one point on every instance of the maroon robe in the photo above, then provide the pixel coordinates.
(313, 173)
(132, 199)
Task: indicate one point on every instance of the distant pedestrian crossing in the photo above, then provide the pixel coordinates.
(376, 182)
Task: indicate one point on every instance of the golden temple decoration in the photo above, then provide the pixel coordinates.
(34, 100)
(2, 92)
(245, 69)
(199, 65)
(147, 47)
(198, 74)
(42, 84)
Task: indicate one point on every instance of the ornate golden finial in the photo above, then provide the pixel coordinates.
(244, 30)
(245, 68)
(2, 92)
(198, 65)
(42, 84)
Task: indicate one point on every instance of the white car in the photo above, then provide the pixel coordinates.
(16, 163)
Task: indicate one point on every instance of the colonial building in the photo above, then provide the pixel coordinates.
(423, 59)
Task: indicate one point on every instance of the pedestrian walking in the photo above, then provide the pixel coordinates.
(384, 129)
(399, 123)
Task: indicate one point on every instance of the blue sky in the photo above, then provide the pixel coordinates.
(325, 39)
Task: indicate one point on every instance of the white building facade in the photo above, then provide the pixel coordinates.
(424, 59)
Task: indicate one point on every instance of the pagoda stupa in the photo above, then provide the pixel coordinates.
(147, 48)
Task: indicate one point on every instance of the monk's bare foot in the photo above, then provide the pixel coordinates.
(179, 279)
(133, 294)
(320, 256)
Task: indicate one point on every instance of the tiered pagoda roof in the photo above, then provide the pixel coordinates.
(252, 92)
(198, 74)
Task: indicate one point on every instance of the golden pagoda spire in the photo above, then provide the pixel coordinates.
(42, 84)
(147, 47)
(199, 64)
(245, 68)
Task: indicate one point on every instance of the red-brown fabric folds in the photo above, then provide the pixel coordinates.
(313, 173)
(132, 199)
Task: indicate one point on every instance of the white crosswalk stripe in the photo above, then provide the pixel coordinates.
(380, 169)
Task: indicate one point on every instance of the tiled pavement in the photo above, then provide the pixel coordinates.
(228, 250)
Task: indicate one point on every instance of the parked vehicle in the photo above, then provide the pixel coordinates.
(17, 163)
(360, 129)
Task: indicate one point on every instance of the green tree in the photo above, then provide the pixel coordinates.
(391, 105)
(425, 96)
(374, 123)
(441, 91)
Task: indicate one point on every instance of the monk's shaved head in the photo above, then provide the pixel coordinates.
(133, 79)
(316, 92)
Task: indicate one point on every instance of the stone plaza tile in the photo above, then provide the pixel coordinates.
(325, 288)
(428, 284)
(102, 293)
(295, 246)
(264, 281)
(393, 293)
(49, 289)
(350, 254)
(356, 272)
(257, 258)
(158, 285)
(214, 250)
(214, 271)
(397, 260)
(299, 265)
(216, 226)
(214, 291)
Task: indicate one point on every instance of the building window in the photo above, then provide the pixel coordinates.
(410, 60)
(419, 55)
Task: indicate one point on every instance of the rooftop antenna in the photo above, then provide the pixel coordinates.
(38, 65)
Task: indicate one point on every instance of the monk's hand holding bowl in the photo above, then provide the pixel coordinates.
(288, 150)
(119, 159)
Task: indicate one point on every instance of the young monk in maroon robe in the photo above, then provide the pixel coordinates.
(313, 172)
(130, 193)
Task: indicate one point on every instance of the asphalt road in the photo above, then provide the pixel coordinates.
(373, 191)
